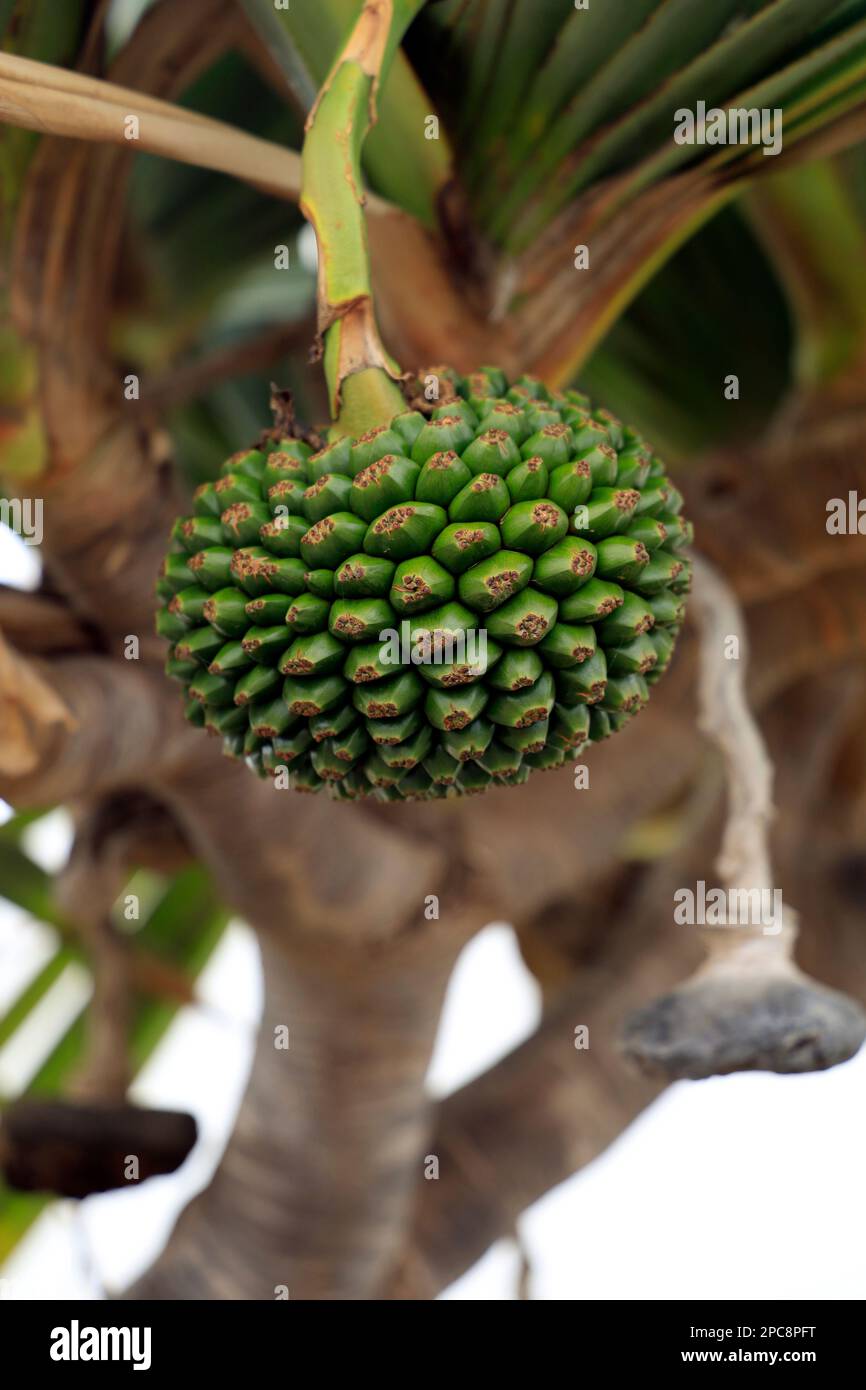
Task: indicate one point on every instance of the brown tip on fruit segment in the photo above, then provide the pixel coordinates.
(460, 675)
(533, 464)
(366, 673)
(196, 561)
(641, 554)
(305, 708)
(252, 566)
(320, 531)
(501, 583)
(545, 514)
(374, 471)
(393, 520)
(484, 482)
(349, 624)
(382, 709)
(582, 653)
(456, 721)
(532, 626)
(297, 666)
(626, 499)
(369, 435)
(414, 588)
(523, 683)
(349, 574)
(443, 459)
(464, 539)
(645, 624)
(582, 468)
(236, 514)
(174, 605)
(581, 564)
(532, 716)
(555, 431)
(318, 486)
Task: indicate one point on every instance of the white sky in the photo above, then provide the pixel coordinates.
(741, 1187)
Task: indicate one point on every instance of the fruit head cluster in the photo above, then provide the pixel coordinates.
(446, 603)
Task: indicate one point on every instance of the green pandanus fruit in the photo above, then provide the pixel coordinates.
(436, 601)
(445, 603)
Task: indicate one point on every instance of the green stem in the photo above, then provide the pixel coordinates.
(360, 374)
(404, 166)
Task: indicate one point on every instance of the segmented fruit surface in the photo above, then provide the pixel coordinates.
(446, 603)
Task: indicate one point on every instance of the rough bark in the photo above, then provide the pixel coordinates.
(314, 1190)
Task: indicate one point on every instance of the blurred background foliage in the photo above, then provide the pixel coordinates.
(178, 924)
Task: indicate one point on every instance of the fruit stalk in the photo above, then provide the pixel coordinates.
(361, 375)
